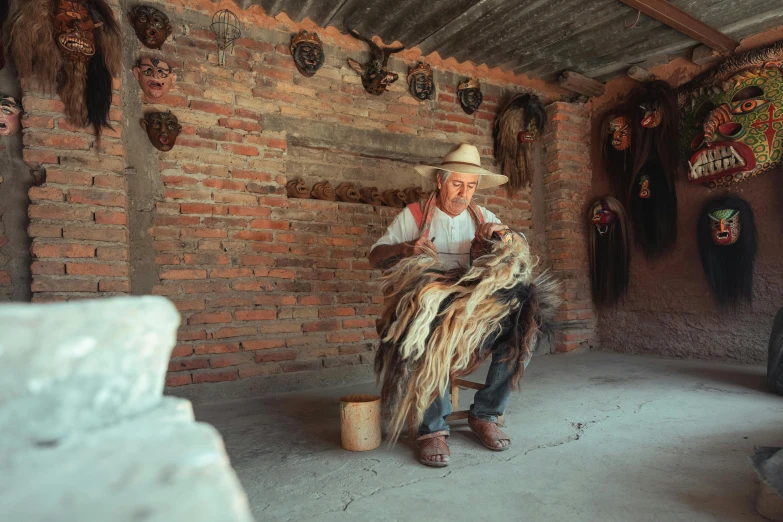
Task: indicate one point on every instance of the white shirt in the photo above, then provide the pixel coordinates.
(452, 234)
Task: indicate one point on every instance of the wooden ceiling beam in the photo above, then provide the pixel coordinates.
(581, 84)
(685, 23)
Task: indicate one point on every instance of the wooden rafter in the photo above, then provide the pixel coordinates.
(685, 23)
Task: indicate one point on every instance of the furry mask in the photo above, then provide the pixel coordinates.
(151, 25)
(420, 81)
(162, 129)
(441, 323)
(608, 250)
(73, 47)
(469, 94)
(517, 125)
(727, 246)
(156, 78)
(10, 113)
(376, 76)
(308, 52)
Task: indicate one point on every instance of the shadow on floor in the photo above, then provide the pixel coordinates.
(751, 377)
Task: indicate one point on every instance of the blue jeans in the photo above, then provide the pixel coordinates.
(489, 402)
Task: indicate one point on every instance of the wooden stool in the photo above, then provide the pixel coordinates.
(456, 384)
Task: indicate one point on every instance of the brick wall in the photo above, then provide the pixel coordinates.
(567, 187)
(267, 285)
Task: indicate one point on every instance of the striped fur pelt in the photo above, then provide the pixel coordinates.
(443, 323)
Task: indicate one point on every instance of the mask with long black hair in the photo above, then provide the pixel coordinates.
(71, 47)
(608, 250)
(726, 234)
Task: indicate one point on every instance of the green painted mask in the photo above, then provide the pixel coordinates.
(725, 226)
(733, 119)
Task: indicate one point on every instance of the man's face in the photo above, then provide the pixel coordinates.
(155, 78)
(455, 193)
(9, 116)
(152, 26)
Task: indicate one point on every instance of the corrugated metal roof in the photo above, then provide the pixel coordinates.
(540, 38)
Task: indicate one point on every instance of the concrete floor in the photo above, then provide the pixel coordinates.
(596, 437)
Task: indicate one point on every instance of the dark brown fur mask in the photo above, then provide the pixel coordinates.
(469, 94)
(308, 52)
(376, 77)
(71, 47)
(297, 188)
(347, 192)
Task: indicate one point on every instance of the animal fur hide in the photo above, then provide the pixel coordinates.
(441, 323)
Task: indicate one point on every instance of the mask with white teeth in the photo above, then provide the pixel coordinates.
(155, 77)
(10, 113)
(75, 31)
(732, 119)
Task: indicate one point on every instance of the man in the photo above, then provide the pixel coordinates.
(447, 224)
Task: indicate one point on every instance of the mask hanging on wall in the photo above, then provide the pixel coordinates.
(323, 190)
(518, 124)
(469, 94)
(297, 188)
(162, 129)
(376, 76)
(640, 156)
(308, 52)
(73, 47)
(10, 114)
(371, 196)
(347, 192)
(151, 25)
(608, 250)
(731, 119)
(726, 234)
(156, 78)
(420, 81)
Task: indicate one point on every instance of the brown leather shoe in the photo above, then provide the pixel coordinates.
(489, 434)
(432, 445)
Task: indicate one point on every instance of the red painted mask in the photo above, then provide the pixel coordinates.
(530, 134)
(621, 133)
(652, 117)
(602, 217)
(75, 31)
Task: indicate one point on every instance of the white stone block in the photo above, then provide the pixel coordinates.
(69, 368)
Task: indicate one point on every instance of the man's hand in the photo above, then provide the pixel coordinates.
(422, 246)
(484, 232)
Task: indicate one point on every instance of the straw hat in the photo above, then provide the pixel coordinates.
(464, 159)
